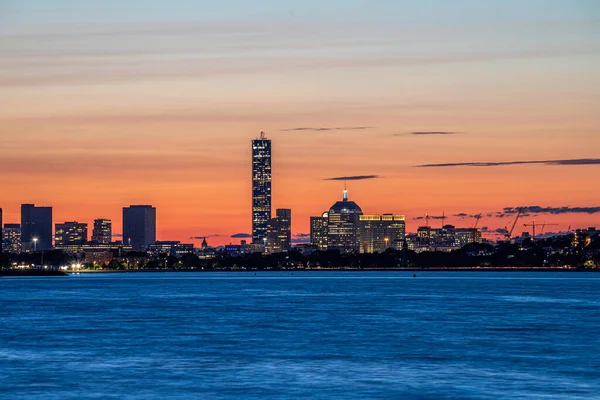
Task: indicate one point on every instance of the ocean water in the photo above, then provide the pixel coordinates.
(310, 335)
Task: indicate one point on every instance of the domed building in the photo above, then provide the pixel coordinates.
(343, 225)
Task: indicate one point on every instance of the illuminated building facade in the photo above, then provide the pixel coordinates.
(261, 188)
(342, 226)
(381, 232)
(139, 226)
(279, 231)
(464, 236)
(36, 227)
(102, 232)
(318, 231)
(11, 238)
(70, 233)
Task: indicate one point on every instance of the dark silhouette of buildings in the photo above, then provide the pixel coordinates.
(36, 227)
(139, 226)
(102, 232)
(261, 188)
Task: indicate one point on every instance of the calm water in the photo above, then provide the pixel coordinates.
(322, 335)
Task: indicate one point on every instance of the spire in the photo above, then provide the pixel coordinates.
(345, 191)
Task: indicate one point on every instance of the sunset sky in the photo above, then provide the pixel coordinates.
(109, 103)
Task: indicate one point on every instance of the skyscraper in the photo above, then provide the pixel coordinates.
(261, 187)
(139, 226)
(279, 231)
(342, 225)
(318, 231)
(36, 227)
(102, 232)
(70, 233)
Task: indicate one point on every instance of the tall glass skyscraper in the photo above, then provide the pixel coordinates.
(139, 226)
(261, 187)
(36, 227)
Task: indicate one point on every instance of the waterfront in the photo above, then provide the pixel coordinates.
(298, 334)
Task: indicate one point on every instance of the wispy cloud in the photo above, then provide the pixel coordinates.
(421, 217)
(241, 235)
(302, 235)
(352, 178)
(466, 215)
(577, 161)
(200, 237)
(498, 231)
(425, 133)
(323, 129)
(528, 210)
(299, 238)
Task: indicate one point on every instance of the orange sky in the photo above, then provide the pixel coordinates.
(98, 116)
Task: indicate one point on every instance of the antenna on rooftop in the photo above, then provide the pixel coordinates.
(263, 135)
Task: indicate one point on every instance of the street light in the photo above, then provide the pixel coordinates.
(386, 242)
(35, 244)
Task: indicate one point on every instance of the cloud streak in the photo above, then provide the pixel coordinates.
(425, 133)
(577, 161)
(352, 178)
(201, 237)
(323, 129)
(241, 235)
(528, 210)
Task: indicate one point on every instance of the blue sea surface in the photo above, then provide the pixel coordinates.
(311, 335)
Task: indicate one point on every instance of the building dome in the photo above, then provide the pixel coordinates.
(345, 206)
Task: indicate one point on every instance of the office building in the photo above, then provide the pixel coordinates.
(36, 227)
(261, 187)
(1, 233)
(102, 232)
(279, 231)
(318, 231)
(381, 232)
(11, 238)
(139, 226)
(342, 226)
(464, 236)
(70, 233)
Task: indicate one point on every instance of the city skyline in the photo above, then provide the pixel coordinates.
(466, 108)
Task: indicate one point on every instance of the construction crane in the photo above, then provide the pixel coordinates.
(477, 218)
(509, 233)
(533, 225)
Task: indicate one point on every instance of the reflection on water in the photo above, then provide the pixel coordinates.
(307, 335)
